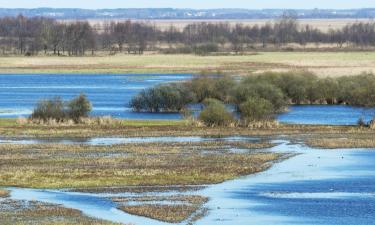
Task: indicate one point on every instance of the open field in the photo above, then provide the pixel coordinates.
(321, 63)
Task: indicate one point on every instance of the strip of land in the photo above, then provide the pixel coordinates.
(322, 63)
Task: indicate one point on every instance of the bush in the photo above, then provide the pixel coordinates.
(50, 109)
(59, 111)
(164, 98)
(256, 109)
(79, 107)
(211, 86)
(250, 89)
(215, 114)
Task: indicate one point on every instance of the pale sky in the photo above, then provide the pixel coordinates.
(198, 4)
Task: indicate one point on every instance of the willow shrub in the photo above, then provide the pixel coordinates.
(58, 110)
(215, 114)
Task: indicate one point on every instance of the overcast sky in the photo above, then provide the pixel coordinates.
(198, 4)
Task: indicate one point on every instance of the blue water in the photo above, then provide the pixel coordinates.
(326, 114)
(327, 187)
(330, 187)
(109, 94)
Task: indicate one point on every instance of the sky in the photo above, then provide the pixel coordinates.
(196, 4)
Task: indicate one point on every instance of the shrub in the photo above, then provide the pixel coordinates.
(208, 85)
(79, 107)
(256, 109)
(249, 89)
(215, 114)
(50, 109)
(59, 111)
(164, 98)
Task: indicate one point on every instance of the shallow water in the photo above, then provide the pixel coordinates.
(120, 140)
(314, 187)
(326, 114)
(110, 95)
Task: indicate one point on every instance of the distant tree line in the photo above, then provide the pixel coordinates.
(256, 98)
(28, 36)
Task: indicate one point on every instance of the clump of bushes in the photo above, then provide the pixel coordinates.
(163, 98)
(258, 97)
(57, 110)
(215, 114)
(256, 109)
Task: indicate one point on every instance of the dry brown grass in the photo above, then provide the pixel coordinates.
(322, 62)
(26, 213)
(80, 166)
(333, 143)
(167, 213)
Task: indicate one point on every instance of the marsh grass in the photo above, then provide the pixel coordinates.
(151, 128)
(334, 143)
(166, 213)
(81, 166)
(31, 212)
